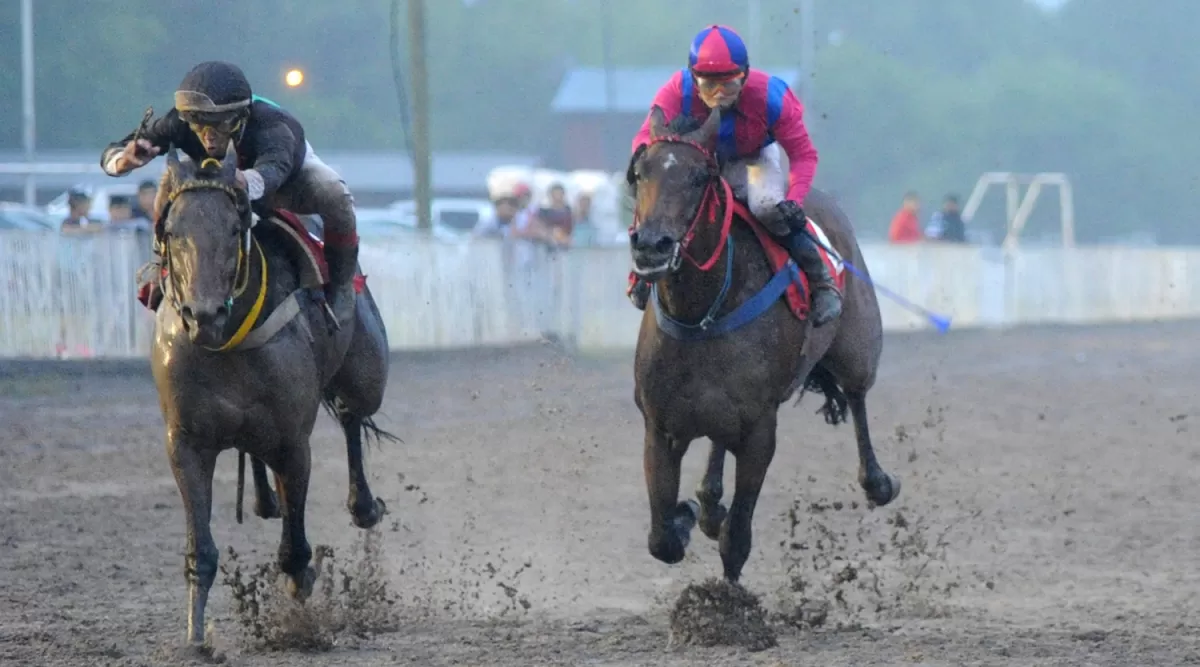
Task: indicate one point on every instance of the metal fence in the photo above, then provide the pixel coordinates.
(64, 296)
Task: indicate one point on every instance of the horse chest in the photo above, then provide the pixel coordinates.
(699, 402)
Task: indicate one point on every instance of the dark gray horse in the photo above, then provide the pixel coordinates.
(242, 358)
(715, 359)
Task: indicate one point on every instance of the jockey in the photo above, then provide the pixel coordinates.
(759, 110)
(277, 166)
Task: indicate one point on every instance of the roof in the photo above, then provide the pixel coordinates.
(363, 170)
(583, 89)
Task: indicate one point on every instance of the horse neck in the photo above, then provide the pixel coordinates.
(243, 303)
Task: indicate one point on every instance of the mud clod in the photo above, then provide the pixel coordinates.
(718, 613)
(350, 601)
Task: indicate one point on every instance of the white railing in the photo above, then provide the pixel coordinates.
(72, 296)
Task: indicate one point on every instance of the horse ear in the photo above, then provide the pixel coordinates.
(706, 135)
(229, 163)
(658, 122)
(173, 164)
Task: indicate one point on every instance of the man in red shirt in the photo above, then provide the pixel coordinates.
(906, 227)
(759, 111)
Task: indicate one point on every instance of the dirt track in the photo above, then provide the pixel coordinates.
(1057, 466)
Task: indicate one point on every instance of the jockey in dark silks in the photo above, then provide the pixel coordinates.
(760, 115)
(276, 165)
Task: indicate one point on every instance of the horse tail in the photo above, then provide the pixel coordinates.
(370, 429)
(821, 381)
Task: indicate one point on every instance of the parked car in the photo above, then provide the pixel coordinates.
(26, 218)
(453, 215)
(385, 224)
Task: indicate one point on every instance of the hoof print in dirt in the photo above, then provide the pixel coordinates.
(719, 613)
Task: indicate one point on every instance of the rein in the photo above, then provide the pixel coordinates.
(242, 276)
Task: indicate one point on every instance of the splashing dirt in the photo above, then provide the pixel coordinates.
(350, 602)
(847, 567)
(718, 613)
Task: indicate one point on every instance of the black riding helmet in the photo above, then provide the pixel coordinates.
(214, 93)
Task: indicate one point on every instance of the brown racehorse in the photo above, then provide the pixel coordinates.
(719, 351)
(242, 357)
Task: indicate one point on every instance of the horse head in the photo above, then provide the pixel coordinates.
(203, 234)
(676, 183)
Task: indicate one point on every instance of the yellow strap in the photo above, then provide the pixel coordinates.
(255, 311)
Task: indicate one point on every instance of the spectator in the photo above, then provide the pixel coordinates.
(146, 192)
(121, 217)
(906, 226)
(120, 209)
(947, 224)
(584, 232)
(79, 202)
(556, 217)
(499, 223)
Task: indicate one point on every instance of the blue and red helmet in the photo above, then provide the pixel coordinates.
(718, 52)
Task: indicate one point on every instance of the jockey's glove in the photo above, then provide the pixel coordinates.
(791, 212)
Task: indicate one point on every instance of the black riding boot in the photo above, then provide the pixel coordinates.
(826, 299)
(339, 293)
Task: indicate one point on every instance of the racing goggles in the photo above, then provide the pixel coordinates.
(222, 123)
(713, 84)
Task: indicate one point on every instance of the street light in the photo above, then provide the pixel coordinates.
(293, 78)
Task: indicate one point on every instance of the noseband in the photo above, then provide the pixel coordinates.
(717, 199)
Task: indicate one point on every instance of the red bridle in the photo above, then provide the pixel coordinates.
(716, 192)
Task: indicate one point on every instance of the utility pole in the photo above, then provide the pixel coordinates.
(422, 167)
(27, 108)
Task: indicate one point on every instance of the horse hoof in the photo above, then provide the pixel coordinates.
(687, 513)
(711, 519)
(370, 516)
(882, 490)
(192, 653)
(300, 587)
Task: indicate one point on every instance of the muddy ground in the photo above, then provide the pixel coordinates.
(1048, 517)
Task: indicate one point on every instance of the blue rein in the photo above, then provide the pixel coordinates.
(711, 326)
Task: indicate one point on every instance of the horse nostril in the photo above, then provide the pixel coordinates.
(664, 245)
(223, 310)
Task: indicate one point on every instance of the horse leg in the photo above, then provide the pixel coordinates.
(709, 492)
(364, 507)
(193, 469)
(880, 487)
(294, 551)
(266, 502)
(753, 458)
(671, 521)
(355, 393)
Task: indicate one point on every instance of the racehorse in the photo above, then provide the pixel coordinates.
(719, 350)
(243, 356)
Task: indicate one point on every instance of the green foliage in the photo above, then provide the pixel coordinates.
(921, 94)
